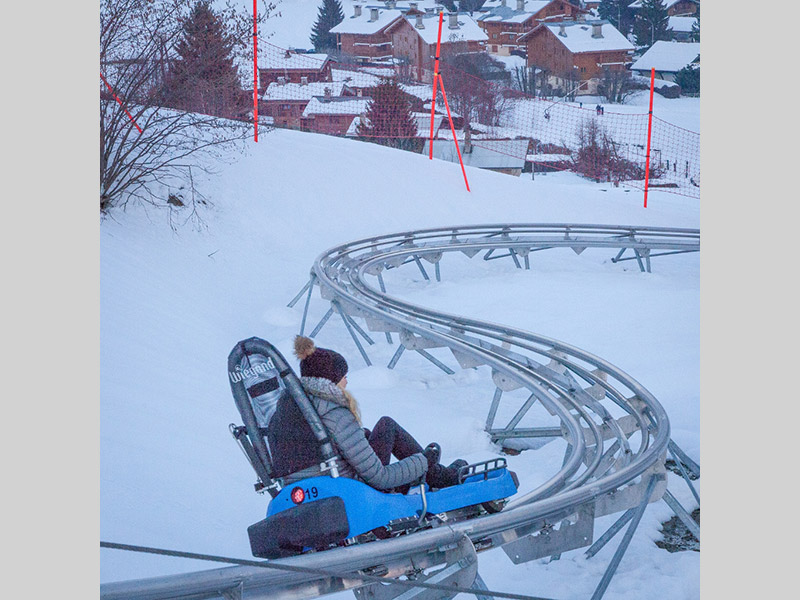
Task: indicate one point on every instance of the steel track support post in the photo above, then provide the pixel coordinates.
(626, 540)
(527, 263)
(396, 357)
(383, 289)
(682, 514)
(308, 302)
(639, 259)
(435, 361)
(360, 330)
(300, 293)
(493, 408)
(685, 476)
(321, 323)
(480, 584)
(421, 268)
(619, 255)
(520, 413)
(693, 467)
(352, 332)
(514, 257)
(610, 533)
(436, 271)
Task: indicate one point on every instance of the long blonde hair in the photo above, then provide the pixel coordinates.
(352, 404)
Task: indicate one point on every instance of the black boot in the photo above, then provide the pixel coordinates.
(440, 476)
(432, 452)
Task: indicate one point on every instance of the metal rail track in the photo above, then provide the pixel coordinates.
(617, 433)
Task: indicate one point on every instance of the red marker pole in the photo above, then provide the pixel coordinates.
(130, 116)
(435, 79)
(453, 129)
(255, 69)
(649, 132)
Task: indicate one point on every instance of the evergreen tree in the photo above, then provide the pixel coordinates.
(470, 5)
(388, 120)
(203, 78)
(695, 35)
(449, 5)
(330, 15)
(651, 24)
(689, 79)
(618, 13)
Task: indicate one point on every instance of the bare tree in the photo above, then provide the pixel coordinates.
(150, 153)
(524, 79)
(474, 83)
(598, 156)
(616, 85)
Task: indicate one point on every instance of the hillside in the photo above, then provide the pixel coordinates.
(174, 303)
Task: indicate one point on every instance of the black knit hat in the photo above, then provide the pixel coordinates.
(319, 362)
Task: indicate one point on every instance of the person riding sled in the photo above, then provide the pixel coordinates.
(366, 453)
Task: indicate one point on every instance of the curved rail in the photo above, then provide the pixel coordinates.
(617, 433)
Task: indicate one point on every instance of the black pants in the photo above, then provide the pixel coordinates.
(389, 438)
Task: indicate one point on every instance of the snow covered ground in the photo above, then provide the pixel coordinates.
(173, 304)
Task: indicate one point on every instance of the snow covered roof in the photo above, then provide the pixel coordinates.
(668, 56)
(275, 58)
(300, 91)
(421, 91)
(358, 78)
(364, 24)
(468, 30)
(336, 106)
(510, 14)
(421, 119)
(420, 4)
(578, 36)
(485, 154)
(682, 24)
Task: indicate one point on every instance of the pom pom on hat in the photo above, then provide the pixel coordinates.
(303, 347)
(319, 362)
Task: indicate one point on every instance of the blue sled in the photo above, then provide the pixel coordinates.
(318, 512)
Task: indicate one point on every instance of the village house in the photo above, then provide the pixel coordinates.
(332, 115)
(505, 23)
(501, 156)
(414, 39)
(577, 52)
(363, 34)
(285, 102)
(682, 28)
(276, 64)
(675, 8)
(422, 120)
(667, 58)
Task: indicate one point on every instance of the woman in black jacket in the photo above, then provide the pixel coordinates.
(367, 454)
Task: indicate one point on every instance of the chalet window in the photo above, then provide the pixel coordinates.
(494, 36)
(286, 106)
